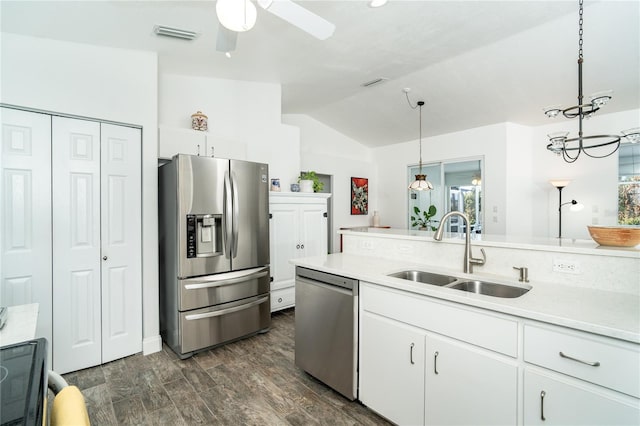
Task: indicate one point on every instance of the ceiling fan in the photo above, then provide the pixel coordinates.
(237, 16)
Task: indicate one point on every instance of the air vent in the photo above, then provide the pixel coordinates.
(374, 82)
(174, 32)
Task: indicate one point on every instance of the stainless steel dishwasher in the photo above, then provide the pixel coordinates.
(326, 322)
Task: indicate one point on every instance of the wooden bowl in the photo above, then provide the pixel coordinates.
(616, 236)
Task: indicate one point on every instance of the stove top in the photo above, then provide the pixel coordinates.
(23, 382)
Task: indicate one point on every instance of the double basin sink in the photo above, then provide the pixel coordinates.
(471, 286)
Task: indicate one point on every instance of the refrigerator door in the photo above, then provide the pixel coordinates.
(202, 220)
(250, 230)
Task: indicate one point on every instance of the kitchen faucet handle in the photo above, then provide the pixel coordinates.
(477, 261)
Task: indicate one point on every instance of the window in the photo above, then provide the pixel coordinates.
(629, 184)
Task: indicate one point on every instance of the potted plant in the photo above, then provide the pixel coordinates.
(315, 184)
(423, 219)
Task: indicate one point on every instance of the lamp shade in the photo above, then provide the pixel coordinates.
(236, 15)
(421, 184)
(559, 183)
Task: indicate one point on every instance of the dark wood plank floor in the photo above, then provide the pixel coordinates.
(250, 382)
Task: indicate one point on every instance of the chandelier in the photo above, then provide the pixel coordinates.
(595, 146)
(421, 183)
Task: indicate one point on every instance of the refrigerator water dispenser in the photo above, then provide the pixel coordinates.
(204, 235)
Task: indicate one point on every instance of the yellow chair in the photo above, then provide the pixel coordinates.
(68, 408)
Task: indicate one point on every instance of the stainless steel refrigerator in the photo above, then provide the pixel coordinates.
(214, 251)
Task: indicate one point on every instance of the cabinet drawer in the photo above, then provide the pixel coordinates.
(472, 326)
(606, 362)
(283, 298)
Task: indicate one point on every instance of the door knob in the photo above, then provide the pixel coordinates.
(104, 257)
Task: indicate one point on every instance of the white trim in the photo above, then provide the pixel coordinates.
(151, 345)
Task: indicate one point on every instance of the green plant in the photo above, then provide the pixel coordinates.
(423, 219)
(317, 185)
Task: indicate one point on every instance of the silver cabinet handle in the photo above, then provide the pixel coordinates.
(411, 353)
(298, 246)
(435, 362)
(221, 312)
(212, 152)
(542, 395)
(104, 257)
(302, 246)
(198, 152)
(592, 364)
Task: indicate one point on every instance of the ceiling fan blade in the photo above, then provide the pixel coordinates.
(302, 18)
(226, 39)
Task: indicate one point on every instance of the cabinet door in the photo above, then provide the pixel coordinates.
(25, 218)
(285, 244)
(121, 210)
(313, 229)
(76, 244)
(392, 369)
(466, 385)
(172, 141)
(552, 399)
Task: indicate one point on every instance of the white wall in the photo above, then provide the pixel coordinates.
(327, 151)
(488, 141)
(98, 82)
(240, 113)
(518, 198)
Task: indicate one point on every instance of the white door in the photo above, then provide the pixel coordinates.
(121, 208)
(25, 213)
(76, 244)
(391, 372)
(283, 229)
(313, 229)
(468, 386)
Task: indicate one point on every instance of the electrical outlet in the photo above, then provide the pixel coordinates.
(566, 266)
(366, 244)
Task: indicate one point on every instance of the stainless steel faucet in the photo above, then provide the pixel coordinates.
(469, 260)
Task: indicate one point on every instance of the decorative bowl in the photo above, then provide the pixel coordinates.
(616, 236)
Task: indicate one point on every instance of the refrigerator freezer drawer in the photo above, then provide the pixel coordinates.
(211, 326)
(212, 290)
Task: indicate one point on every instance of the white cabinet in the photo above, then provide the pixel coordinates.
(392, 367)
(552, 399)
(466, 385)
(582, 379)
(297, 228)
(72, 191)
(173, 140)
(454, 382)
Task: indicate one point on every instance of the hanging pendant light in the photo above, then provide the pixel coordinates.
(421, 183)
(595, 146)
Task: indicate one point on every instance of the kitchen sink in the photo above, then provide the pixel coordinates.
(490, 289)
(424, 277)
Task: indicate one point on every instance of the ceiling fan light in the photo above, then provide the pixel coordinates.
(377, 3)
(552, 111)
(599, 99)
(236, 15)
(632, 135)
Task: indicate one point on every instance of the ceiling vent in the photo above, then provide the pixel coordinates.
(161, 30)
(374, 82)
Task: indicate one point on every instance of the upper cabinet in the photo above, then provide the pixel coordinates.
(174, 140)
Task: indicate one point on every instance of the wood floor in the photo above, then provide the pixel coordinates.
(250, 382)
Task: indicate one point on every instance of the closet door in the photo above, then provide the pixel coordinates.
(25, 213)
(121, 196)
(76, 244)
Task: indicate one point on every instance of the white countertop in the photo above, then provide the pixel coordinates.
(20, 325)
(601, 312)
(561, 245)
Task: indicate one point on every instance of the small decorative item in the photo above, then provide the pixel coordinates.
(295, 187)
(615, 236)
(199, 121)
(275, 184)
(359, 196)
(310, 182)
(376, 219)
(423, 219)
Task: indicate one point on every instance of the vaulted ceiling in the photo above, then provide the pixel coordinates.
(473, 62)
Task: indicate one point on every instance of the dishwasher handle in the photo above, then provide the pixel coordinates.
(350, 284)
(337, 289)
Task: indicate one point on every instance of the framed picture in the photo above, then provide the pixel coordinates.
(359, 195)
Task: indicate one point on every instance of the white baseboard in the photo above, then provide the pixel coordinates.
(151, 345)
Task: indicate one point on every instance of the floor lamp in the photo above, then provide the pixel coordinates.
(575, 206)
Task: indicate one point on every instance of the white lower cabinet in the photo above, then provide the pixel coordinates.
(392, 369)
(553, 399)
(466, 385)
(413, 376)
